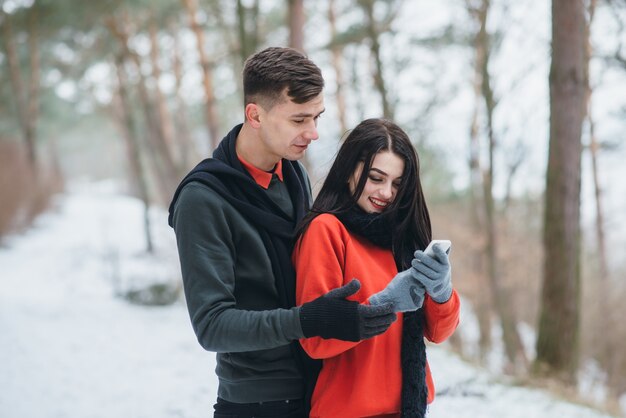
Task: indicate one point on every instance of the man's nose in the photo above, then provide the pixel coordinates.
(311, 132)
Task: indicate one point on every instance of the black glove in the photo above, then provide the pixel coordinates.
(332, 316)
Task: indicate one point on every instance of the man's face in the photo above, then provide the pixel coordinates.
(287, 129)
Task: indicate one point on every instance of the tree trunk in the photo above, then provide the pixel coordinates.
(594, 147)
(32, 113)
(26, 100)
(379, 80)
(207, 74)
(337, 65)
(129, 132)
(559, 321)
(164, 118)
(611, 351)
(483, 303)
(248, 28)
(244, 49)
(600, 234)
(296, 24)
(186, 147)
(236, 46)
(512, 341)
(356, 84)
(163, 162)
(510, 335)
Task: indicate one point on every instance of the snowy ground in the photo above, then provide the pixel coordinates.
(70, 348)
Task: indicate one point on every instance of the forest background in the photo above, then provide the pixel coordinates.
(516, 110)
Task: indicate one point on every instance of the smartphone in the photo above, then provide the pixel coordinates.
(444, 244)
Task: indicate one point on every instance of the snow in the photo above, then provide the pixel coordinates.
(71, 347)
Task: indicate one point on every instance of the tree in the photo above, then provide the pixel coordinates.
(558, 335)
(483, 89)
(165, 167)
(374, 30)
(26, 97)
(207, 73)
(133, 146)
(187, 151)
(296, 24)
(336, 51)
(248, 28)
(483, 307)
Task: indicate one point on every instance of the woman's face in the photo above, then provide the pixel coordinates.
(383, 181)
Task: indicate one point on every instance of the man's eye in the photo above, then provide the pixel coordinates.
(298, 120)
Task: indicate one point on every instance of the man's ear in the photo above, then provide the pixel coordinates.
(253, 115)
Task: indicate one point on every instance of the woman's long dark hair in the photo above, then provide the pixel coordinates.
(408, 214)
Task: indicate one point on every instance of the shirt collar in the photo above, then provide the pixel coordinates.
(263, 178)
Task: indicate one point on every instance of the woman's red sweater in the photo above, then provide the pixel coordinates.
(362, 379)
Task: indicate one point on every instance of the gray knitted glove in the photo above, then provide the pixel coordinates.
(435, 273)
(404, 291)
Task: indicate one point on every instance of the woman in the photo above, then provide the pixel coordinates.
(366, 223)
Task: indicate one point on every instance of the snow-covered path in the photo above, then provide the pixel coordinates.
(70, 348)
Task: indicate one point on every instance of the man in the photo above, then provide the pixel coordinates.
(234, 216)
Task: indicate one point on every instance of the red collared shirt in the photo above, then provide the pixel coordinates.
(263, 178)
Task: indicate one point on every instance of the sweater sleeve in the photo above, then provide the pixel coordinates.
(319, 259)
(441, 318)
(207, 255)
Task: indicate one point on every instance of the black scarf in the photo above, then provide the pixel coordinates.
(225, 175)
(377, 229)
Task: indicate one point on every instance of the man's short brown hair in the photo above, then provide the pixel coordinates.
(269, 72)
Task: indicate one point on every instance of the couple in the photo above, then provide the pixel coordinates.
(320, 309)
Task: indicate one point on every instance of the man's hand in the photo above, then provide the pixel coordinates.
(332, 316)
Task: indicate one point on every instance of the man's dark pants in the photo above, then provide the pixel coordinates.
(274, 409)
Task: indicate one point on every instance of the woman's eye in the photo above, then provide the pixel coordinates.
(376, 179)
